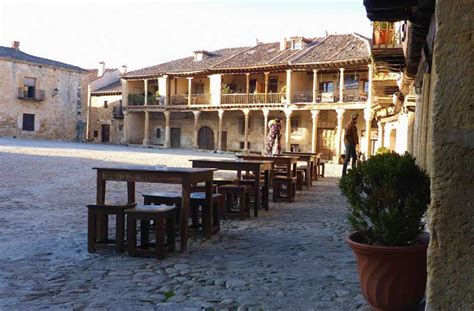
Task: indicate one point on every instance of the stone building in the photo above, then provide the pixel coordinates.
(105, 117)
(434, 61)
(222, 100)
(40, 98)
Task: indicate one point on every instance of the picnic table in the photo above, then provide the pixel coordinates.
(152, 174)
(317, 159)
(288, 161)
(257, 167)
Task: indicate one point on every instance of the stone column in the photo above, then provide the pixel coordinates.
(145, 86)
(146, 131)
(380, 134)
(288, 113)
(247, 88)
(196, 128)
(314, 132)
(266, 112)
(341, 85)
(266, 87)
(167, 129)
(315, 86)
(340, 119)
(190, 87)
(246, 130)
(219, 130)
(288, 86)
(368, 115)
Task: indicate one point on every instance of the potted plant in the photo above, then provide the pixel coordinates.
(388, 196)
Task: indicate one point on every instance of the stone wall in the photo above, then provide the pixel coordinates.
(450, 254)
(102, 115)
(55, 117)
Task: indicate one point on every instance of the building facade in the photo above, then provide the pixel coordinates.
(41, 98)
(223, 100)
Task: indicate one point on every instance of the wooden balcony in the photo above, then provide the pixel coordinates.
(31, 94)
(253, 98)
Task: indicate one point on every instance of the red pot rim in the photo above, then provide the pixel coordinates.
(424, 239)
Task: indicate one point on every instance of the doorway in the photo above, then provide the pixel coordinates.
(105, 133)
(206, 138)
(326, 142)
(175, 137)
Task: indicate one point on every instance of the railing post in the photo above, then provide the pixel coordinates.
(341, 85)
(266, 87)
(315, 85)
(190, 86)
(288, 86)
(247, 88)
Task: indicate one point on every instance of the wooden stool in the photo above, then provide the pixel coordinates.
(243, 192)
(299, 179)
(210, 225)
(106, 209)
(165, 224)
(321, 167)
(307, 182)
(290, 185)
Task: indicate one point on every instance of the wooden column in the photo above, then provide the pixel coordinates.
(196, 128)
(266, 112)
(246, 130)
(190, 87)
(247, 88)
(340, 119)
(288, 86)
(341, 85)
(315, 86)
(266, 87)
(288, 113)
(145, 100)
(314, 133)
(219, 130)
(167, 129)
(368, 114)
(167, 90)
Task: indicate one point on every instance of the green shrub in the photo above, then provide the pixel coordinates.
(383, 150)
(388, 196)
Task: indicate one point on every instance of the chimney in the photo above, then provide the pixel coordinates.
(283, 44)
(123, 70)
(101, 70)
(16, 45)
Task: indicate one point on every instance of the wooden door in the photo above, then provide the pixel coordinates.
(105, 133)
(175, 137)
(326, 142)
(224, 141)
(206, 138)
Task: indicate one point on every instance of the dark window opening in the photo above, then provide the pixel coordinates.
(273, 85)
(158, 133)
(351, 82)
(326, 87)
(29, 85)
(252, 85)
(242, 145)
(28, 122)
(105, 104)
(96, 133)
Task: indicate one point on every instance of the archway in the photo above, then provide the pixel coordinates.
(206, 138)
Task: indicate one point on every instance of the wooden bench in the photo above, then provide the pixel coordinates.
(287, 194)
(106, 209)
(306, 180)
(243, 194)
(164, 218)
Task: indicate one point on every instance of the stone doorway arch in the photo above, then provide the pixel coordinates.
(206, 138)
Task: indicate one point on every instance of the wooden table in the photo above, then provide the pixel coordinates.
(257, 167)
(310, 163)
(151, 174)
(317, 157)
(285, 160)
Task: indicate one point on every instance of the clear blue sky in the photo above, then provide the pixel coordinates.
(144, 33)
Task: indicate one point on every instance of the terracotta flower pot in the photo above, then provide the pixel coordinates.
(391, 278)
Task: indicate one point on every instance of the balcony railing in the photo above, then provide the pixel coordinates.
(139, 100)
(252, 98)
(201, 99)
(302, 97)
(386, 35)
(31, 94)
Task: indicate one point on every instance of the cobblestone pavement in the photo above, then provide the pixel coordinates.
(292, 257)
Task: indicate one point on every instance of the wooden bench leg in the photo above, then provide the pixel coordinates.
(160, 236)
(91, 231)
(242, 205)
(171, 232)
(206, 221)
(144, 233)
(119, 232)
(132, 235)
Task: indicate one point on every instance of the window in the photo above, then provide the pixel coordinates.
(366, 87)
(28, 122)
(351, 81)
(96, 133)
(158, 133)
(252, 85)
(29, 87)
(273, 85)
(326, 87)
(105, 104)
(296, 45)
(242, 145)
(295, 124)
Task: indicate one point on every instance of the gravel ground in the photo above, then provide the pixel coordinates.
(292, 257)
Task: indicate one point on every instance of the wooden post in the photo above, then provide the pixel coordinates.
(315, 86)
(190, 87)
(247, 88)
(341, 85)
(266, 88)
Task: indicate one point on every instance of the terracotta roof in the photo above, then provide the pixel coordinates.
(333, 48)
(187, 64)
(115, 87)
(15, 54)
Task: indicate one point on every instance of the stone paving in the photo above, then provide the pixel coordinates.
(292, 257)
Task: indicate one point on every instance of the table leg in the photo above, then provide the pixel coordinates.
(102, 220)
(294, 169)
(207, 213)
(131, 191)
(309, 181)
(266, 187)
(185, 200)
(256, 193)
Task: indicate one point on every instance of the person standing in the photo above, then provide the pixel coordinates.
(274, 137)
(351, 140)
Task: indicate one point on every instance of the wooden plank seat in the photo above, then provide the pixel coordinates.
(164, 217)
(104, 210)
(286, 194)
(242, 192)
(210, 222)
